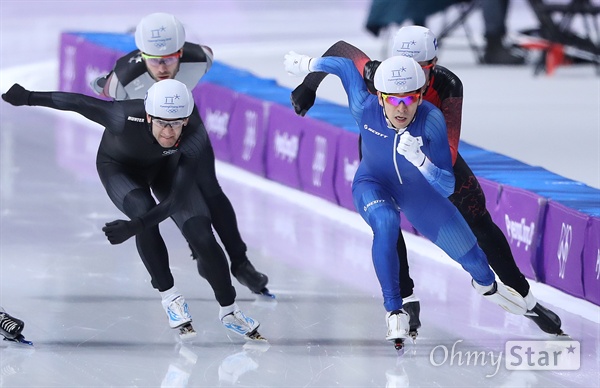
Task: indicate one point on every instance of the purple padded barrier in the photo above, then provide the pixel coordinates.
(346, 165)
(68, 81)
(216, 104)
(81, 62)
(316, 160)
(94, 61)
(562, 248)
(247, 133)
(591, 261)
(491, 191)
(284, 133)
(519, 215)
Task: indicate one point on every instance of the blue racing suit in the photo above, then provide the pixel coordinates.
(386, 183)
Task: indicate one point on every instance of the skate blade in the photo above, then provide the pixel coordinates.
(399, 345)
(187, 332)
(265, 294)
(413, 334)
(255, 336)
(563, 336)
(19, 340)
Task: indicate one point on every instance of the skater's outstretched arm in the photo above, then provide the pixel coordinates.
(297, 64)
(94, 109)
(303, 97)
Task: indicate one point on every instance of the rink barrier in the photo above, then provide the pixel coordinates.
(551, 223)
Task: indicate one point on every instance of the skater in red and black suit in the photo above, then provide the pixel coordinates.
(157, 146)
(444, 90)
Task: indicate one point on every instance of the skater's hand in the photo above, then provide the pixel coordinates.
(98, 85)
(119, 231)
(296, 64)
(302, 99)
(17, 95)
(410, 148)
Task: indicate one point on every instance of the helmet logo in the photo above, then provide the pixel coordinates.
(406, 45)
(156, 33)
(157, 39)
(398, 79)
(405, 49)
(170, 105)
(171, 100)
(397, 73)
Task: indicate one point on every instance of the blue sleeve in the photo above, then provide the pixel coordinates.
(437, 168)
(351, 79)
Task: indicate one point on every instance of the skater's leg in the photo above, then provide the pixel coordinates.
(406, 283)
(469, 199)
(224, 221)
(212, 262)
(131, 194)
(494, 244)
(150, 244)
(451, 233)
(435, 218)
(378, 209)
(410, 303)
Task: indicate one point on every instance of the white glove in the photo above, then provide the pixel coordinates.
(410, 148)
(296, 64)
(98, 84)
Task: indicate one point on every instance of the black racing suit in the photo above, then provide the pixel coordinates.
(131, 164)
(446, 92)
(129, 80)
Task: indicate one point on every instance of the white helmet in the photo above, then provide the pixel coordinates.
(159, 34)
(169, 99)
(399, 75)
(416, 42)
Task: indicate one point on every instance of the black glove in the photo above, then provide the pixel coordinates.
(302, 99)
(119, 231)
(369, 75)
(17, 95)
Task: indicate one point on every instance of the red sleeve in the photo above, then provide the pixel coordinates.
(452, 110)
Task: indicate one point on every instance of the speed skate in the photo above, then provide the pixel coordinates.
(243, 325)
(397, 328)
(11, 328)
(19, 339)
